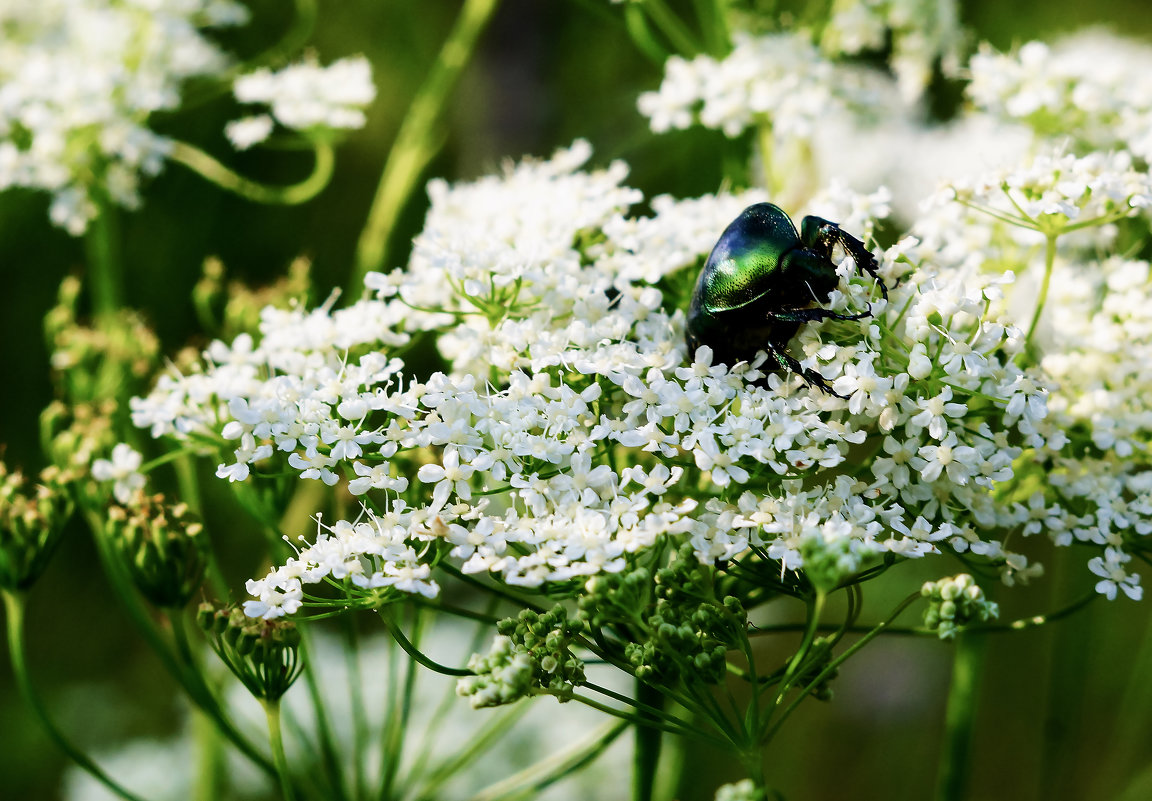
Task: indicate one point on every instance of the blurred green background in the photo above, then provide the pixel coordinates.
(1064, 712)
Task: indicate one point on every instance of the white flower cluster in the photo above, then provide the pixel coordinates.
(1050, 192)
(78, 80)
(779, 78)
(304, 97)
(1095, 87)
(572, 430)
(1093, 340)
(919, 32)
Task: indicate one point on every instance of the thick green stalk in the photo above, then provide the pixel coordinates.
(417, 142)
(105, 268)
(646, 756)
(208, 167)
(209, 758)
(960, 718)
(276, 739)
(14, 606)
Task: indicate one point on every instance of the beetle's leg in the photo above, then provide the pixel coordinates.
(814, 314)
(788, 363)
(862, 256)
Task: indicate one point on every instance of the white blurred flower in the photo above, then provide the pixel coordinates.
(123, 469)
(249, 131)
(78, 82)
(304, 96)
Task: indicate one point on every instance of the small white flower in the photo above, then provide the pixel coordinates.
(123, 469)
(248, 131)
(449, 476)
(1114, 575)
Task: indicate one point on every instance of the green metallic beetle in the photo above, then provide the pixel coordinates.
(761, 282)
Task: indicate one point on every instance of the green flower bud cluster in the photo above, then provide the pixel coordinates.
(684, 631)
(113, 357)
(230, 308)
(74, 435)
(955, 602)
(164, 547)
(263, 654)
(744, 790)
(614, 598)
(531, 651)
(502, 676)
(830, 561)
(32, 519)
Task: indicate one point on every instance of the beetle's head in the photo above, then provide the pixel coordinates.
(820, 235)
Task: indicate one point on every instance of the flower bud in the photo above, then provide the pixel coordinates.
(163, 546)
(955, 602)
(263, 654)
(32, 519)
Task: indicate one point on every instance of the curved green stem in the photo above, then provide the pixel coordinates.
(276, 738)
(416, 142)
(416, 654)
(952, 781)
(294, 38)
(200, 162)
(14, 606)
(1049, 261)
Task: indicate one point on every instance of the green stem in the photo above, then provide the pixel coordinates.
(833, 665)
(400, 710)
(323, 726)
(414, 652)
(106, 270)
(479, 742)
(416, 142)
(646, 755)
(209, 758)
(530, 781)
(352, 651)
(967, 664)
(672, 27)
(208, 167)
(294, 39)
(1049, 261)
(189, 677)
(275, 737)
(14, 606)
(815, 611)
